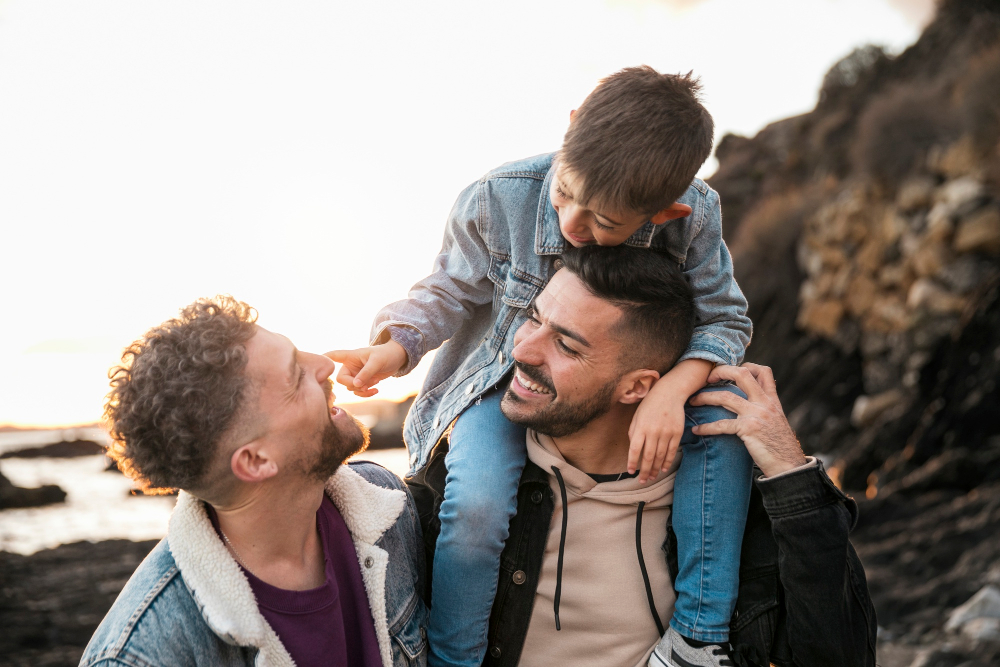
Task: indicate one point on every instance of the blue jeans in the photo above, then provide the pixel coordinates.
(484, 462)
(711, 497)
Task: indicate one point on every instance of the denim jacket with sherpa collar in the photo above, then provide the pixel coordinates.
(500, 247)
(189, 603)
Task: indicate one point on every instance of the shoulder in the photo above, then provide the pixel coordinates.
(154, 598)
(376, 474)
(699, 195)
(533, 168)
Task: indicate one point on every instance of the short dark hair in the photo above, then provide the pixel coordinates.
(654, 296)
(177, 392)
(638, 140)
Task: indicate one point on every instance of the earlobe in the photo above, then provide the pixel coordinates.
(671, 212)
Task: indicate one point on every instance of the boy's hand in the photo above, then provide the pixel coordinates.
(363, 368)
(656, 430)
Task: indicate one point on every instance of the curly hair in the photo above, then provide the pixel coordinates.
(177, 392)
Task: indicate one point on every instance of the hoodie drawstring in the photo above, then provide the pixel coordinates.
(642, 567)
(562, 543)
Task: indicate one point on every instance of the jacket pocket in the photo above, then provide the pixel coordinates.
(519, 292)
(409, 641)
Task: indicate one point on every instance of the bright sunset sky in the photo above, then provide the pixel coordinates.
(303, 155)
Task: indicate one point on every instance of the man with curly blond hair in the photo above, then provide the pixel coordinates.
(276, 553)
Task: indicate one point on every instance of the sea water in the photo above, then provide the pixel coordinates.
(100, 505)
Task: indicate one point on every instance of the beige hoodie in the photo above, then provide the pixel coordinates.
(603, 609)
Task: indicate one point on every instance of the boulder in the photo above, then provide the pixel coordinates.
(928, 295)
(980, 232)
(915, 193)
(821, 317)
(16, 497)
(984, 604)
(868, 408)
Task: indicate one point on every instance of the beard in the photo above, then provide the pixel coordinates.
(555, 419)
(337, 444)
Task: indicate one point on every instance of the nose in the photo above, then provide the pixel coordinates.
(324, 366)
(527, 348)
(574, 219)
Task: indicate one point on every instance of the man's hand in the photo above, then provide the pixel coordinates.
(363, 368)
(760, 422)
(655, 433)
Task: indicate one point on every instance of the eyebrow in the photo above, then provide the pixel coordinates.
(565, 190)
(559, 329)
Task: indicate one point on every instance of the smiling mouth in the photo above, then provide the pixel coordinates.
(533, 387)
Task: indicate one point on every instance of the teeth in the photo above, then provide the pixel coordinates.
(531, 386)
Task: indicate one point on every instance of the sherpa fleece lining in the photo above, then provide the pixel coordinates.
(223, 593)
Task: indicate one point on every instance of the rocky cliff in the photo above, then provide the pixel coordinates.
(866, 235)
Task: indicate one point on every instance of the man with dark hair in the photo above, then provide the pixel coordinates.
(583, 578)
(276, 553)
(625, 176)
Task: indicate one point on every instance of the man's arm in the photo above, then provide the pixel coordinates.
(830, 617)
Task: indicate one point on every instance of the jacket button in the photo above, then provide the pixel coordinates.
(471, 388)
(536, 497)
(500, 357)
(369, 562)
(423, 632)
(437, 422)
(495, 651)
(520, 577)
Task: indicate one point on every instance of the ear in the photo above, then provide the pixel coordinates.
(635, 385)
(250, 464)
(571, 114)
(671, 212)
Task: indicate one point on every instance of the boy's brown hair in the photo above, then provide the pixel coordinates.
(638, 140)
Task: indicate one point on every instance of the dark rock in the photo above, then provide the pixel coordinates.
(14, 496)
(62, 450)
(52, 601)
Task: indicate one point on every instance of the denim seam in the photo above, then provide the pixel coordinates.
(534, 175)
(732, 352)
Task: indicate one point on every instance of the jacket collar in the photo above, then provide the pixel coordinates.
(549, 239)
(223, 593)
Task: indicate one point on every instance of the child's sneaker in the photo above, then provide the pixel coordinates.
(674, 651)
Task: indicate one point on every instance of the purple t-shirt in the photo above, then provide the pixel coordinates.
(331, 624)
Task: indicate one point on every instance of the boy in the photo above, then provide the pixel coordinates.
(624, 175)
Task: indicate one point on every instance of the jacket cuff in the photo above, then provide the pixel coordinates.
(408, 337)
(712, 348)
(801, 490)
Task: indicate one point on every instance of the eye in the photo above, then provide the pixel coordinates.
(559, 191)
(566, 348)
(530, 312)
(606, 228)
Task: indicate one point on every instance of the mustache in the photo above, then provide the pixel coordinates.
(535, 374)
(328, 389)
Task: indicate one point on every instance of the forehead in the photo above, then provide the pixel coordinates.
(566, 302)
(573, 185)
(269, 355)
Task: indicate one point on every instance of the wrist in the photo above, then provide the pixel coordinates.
(784, 465)
(396, 354)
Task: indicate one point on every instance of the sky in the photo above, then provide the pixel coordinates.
(303, 155)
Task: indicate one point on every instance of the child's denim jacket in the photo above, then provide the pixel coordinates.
(500, 247)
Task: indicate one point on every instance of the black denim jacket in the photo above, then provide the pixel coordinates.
(803, 597)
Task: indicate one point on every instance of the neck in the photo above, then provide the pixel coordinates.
(601, 447)
(272, 530)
